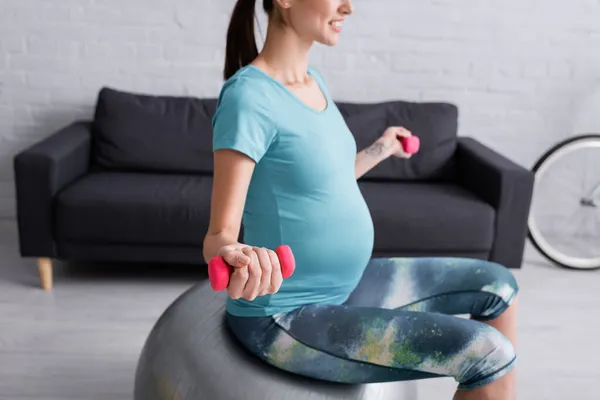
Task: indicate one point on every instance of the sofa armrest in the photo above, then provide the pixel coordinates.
(506, 186)
(41, 171)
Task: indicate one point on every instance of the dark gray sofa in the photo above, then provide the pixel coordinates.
(134, 185)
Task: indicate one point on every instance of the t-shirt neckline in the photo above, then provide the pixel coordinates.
(296, 98)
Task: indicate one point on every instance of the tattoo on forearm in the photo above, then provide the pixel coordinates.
(376, 149)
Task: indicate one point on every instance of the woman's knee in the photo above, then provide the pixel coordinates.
(503, 274)
(500, 282)
(495, 356)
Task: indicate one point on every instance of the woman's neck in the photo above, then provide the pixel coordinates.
(284, 56)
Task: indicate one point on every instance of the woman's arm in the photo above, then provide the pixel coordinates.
(368, 158)
(389, 144)
(231, 179)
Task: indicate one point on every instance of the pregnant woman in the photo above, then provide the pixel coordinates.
(286, 165)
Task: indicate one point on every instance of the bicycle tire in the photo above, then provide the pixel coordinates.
(541, 162)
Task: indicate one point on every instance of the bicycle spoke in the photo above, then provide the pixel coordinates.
(571, 188)
(579, 221)
(596, 221)
(595, 194)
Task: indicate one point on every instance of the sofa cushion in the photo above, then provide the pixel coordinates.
(134, 208)
(435, 124)
(136, 132)
(418, 217)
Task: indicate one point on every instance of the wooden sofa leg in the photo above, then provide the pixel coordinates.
(45, 269)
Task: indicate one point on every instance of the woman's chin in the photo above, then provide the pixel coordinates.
(330, 40)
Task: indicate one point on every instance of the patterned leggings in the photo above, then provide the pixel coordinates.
(399, 324)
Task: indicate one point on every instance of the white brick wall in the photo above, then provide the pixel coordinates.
(520, 70)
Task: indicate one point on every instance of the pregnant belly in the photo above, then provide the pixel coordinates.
(331, 236)
(332, 246)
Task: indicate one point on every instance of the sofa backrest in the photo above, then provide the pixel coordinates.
(173, 134)
(147, 133)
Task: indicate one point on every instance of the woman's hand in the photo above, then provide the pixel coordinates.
(390, 140)
(256, 271)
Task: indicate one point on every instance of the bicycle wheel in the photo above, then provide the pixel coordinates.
(564, 221)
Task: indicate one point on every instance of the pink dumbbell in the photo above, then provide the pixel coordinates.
(411, 144)
(219, 271)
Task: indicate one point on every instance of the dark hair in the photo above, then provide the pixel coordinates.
(241, 43)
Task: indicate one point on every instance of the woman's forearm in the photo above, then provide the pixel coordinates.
(370, 157)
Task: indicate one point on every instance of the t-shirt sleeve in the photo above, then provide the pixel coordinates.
(242, 123)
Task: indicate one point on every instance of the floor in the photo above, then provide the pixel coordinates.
(82, 340)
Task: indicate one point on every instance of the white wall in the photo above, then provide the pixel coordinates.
(520, 70)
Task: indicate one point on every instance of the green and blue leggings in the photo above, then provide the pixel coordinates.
(401, 323)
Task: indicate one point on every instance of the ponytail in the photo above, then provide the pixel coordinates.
(241, 47)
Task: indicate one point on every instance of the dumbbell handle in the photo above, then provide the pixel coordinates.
(410, 144)
(219, 271)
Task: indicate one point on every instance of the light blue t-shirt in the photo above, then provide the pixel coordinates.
(303, 192)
